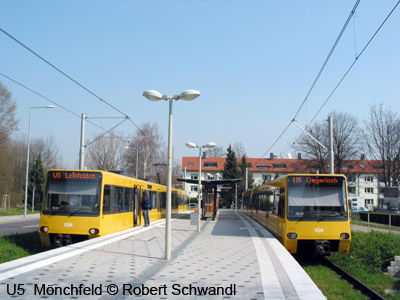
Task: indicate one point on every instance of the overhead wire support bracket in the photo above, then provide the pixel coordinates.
(309, 134)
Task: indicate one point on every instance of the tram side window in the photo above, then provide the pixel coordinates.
(174, 199)
(256, 202)
(107, 200)
(274, 210)
(118, 199)
(264, 202)
(128, 199)
(163, 199)
(153, 197)
(270, 203)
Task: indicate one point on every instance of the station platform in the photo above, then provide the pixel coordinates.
(233, 257)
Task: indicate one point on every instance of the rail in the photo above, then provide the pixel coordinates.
(354, 281)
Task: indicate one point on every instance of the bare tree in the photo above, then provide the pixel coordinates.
(48, 150)
(6, 170)
(382, 136)
(239, 149)
(18, 148)
(106, 153)
(313, 150)
(346, 139)
(149, 143)
(8, 123)
(217, 151)
(346, 136)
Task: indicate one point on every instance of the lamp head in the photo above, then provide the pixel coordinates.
(210, 145)
(191, 145)
(153, 95)
(189, 95)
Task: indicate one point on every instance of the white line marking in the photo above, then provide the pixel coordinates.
(30, 226)
(269, 278)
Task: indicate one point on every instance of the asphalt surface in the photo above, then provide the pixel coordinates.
(18, 224)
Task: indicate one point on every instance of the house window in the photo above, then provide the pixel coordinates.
(210, 164)
(279, 166)
(378, 167)
(193, 188)
(191, 163)
(369, 190)
(261, 166)
(369, 201)
(194, 176)
(369, 178)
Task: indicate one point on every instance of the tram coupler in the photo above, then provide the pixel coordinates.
(62, 240)
(322, 247)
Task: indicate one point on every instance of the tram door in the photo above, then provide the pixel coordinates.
(137, 219)
(281, 213)
(134, 206)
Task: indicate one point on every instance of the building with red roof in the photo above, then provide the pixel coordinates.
(362, 175)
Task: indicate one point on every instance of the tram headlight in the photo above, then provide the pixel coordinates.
(44, 229)
(292, 235)
(93, 231)
(344, 236)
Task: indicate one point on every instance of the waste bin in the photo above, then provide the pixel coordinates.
(193, 218)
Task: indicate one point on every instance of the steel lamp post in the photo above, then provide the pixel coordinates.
(199, 193)
(27, 155)
(153, 95)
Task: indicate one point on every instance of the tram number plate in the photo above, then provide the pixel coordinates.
(68, 224)
(318, 230)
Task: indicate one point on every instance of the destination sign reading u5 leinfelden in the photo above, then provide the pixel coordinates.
(315, 180)
(73, 175)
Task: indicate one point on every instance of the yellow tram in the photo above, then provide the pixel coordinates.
(80, 205)
(308, 213)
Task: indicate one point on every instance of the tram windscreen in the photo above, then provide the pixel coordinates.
(316, 198)
(71, 193)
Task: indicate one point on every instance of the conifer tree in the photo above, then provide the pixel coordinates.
(231, 171)
(36, 181)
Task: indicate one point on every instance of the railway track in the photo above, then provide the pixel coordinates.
(352, 280)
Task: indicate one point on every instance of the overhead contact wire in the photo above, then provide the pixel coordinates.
(318, 75)
(46, 98)
(66, 75)
(354, 62)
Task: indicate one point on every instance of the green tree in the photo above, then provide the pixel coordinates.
(36, 181)
(231, 171)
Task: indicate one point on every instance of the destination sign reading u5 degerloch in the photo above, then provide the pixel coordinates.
(314, 180)
(65, 175)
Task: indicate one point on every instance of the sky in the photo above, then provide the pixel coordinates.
(252, 61)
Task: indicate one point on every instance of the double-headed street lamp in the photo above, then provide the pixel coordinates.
(27, 155)
(199, 192)
(152, 95)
